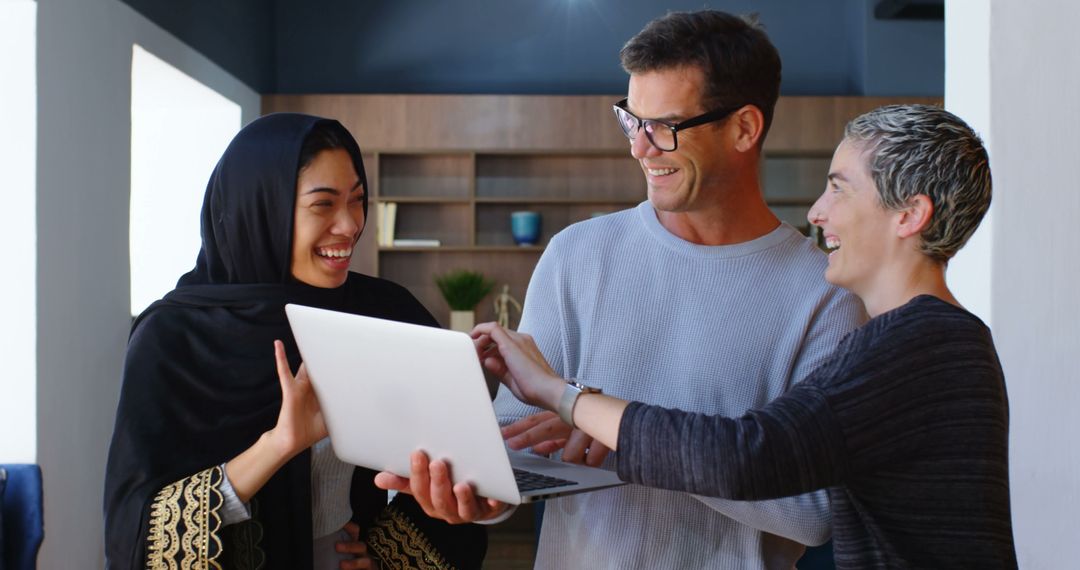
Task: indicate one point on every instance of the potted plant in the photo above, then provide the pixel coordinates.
(463, 290)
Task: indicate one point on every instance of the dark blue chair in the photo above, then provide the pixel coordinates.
(22, 523)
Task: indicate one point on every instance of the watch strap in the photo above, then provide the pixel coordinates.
(570, 395)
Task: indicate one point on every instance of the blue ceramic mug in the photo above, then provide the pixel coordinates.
(525, 227)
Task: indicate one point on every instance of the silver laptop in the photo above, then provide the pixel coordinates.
(388, 388)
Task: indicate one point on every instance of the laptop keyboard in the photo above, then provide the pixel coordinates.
(529, 481)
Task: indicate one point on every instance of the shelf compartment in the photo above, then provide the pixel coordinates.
(493, 219)
(448, 223)
(423, 176)
(600, 178)
(423, 200)
(790, 179)
(571, 201)
(466, 249)
(418, 272)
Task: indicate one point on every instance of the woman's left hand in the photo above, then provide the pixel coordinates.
(300, 421)
(356, 547)
(299, 426)
(519, 364)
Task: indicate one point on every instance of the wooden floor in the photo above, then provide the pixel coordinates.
(510, 551)
(512, 544)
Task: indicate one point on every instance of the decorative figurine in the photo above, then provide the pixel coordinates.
(503, 302)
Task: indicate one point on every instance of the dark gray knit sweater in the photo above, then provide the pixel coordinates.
(906, 425)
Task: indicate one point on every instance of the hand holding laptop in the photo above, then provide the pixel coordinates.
(432, 487)
(520, 365)
(431, 483)
(388, 388)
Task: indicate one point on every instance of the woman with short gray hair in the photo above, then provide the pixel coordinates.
(906, 424)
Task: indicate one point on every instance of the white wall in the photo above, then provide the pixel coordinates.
(1034, 248)
(967, 93)
(1035, 86)
(84, 137)
(18, 150)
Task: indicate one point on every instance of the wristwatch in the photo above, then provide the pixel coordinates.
(569, 398)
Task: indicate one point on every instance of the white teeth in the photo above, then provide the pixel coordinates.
(334, 252)
(661, 171)
(832, 243)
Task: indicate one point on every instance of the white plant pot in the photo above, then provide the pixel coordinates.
(462, 320)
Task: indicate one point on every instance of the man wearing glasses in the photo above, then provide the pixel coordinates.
(698, 299)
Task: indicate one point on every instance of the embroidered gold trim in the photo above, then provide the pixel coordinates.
(401, 546)
(184, 524)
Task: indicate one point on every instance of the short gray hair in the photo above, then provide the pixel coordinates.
(921, 149)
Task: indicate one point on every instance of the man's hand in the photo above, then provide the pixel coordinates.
(431, 485)
(545, 433)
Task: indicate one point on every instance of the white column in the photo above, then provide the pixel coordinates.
(1030, 95)
(967, 93)
(18, 231)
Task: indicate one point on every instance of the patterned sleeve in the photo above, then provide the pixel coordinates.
(404, 538)
(399, 544)
(185, 523)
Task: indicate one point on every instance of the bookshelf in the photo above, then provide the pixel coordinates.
(456, 166)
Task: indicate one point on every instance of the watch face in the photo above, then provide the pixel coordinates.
(583, 388)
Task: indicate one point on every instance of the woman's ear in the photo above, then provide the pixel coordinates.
(749, 124)
(915, 217)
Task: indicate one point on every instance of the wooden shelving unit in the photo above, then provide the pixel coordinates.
(458, 165)
(464, 200)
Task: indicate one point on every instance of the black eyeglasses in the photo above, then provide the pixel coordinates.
(662, 133)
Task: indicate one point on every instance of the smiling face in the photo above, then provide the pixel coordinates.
(328, 219)
(678, 181)
(858, 230)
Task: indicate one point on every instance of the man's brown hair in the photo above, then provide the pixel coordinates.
(740, 64)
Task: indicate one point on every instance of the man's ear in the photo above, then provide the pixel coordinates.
(915, 217)
(749, 125)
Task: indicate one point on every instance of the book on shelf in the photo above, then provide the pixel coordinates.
(387, 216)
(416, 243)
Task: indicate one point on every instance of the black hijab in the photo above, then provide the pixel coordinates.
(199, 382)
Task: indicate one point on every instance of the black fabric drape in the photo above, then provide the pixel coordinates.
(200, 384)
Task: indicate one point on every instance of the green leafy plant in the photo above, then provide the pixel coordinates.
(463, 289)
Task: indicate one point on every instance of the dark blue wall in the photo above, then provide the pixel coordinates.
(238, 35)
(829, 47)
(903, 57)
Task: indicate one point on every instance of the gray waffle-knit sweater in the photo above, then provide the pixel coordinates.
(907, 425)
(622, 304)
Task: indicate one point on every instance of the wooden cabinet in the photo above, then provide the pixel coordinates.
(458, 165)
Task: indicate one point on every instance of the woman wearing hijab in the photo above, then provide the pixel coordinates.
(219, 457)
(905, 424)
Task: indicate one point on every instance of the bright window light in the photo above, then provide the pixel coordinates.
(179, 128)
(18, 147)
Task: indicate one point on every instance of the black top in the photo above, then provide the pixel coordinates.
(906, 425)
(200, 384)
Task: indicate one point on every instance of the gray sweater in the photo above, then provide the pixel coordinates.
(906, 425)
(622, 304)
